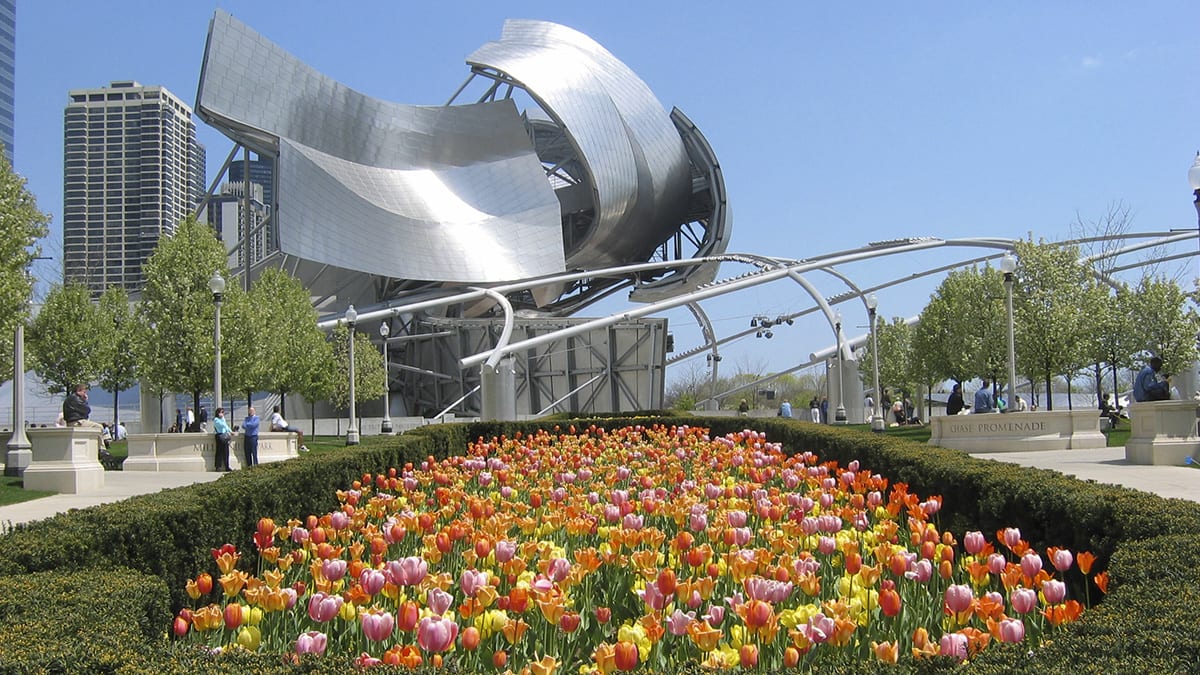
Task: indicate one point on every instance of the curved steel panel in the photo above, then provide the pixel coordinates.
(417, 192)
(635, 157)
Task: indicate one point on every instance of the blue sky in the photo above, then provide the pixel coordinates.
(836, 124)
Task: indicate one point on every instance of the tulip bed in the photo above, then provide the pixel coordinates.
(642, 548)
(95, 590)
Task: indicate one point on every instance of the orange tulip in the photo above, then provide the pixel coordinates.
(890, 602)
(748, 656)
(514, 630)
(625, 655)
(888, 652)
(605, 658)
(1101, 580)
(499, 658)
(547, 666)
(791, 657)
(1085, 560)
(470, 638)
(705, 636)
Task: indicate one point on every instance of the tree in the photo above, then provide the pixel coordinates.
(369, 375)
(118, 366)
(21, 225)
(1053, 295)
(174, 336)
(1114, 337)
(1167, 325)
(294, 354)
(961, 333)
(895, 356)
(67, 339)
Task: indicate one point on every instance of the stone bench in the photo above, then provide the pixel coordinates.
(1018, 431)
(1163, 432)
(65, 460)
(198, 451)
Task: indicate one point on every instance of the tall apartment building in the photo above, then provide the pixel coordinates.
(224, 211)
(133, 171)
(8, 70)
(262, 171)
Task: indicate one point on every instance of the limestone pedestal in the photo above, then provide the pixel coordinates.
(1164, 432)
(178, 452)
(1018, 431)
(273, 446)
(65, 460)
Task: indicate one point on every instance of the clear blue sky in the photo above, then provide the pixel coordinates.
(836, 123)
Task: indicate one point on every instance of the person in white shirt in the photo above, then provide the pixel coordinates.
(119, 433)
(280, 424)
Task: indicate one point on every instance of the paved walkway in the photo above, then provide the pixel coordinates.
(1103, 465)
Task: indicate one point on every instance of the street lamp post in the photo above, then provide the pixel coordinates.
(352, 430)
(839, 416)
(216, 284)
(1008, 265)
(1194, 180)
(386, 425)
(877, 415)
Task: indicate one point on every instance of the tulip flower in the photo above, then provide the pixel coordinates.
(1061, 558)
(1054, 591)
(372, 581)
(973, 542)
(954, 645)
(436, 634)
(748, 656)
(377, 624)
(1012, 630)
(958, 598)
(625, 655)
(471, 581)
(439, 601)
(888, 652)
(311, 642)
(323, 607)
(1031, 564)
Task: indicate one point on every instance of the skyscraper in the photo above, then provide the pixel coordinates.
(8, 68)
(133, 170)
(262, 172)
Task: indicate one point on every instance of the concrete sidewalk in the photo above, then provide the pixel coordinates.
(118, 485)
(1103, 465)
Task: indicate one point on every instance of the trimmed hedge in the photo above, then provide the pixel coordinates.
(94, 590)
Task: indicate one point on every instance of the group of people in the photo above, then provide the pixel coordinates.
(188, 421)
(984, 401)
(249, 428)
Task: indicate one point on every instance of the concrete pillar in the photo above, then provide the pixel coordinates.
(151, 411)
(498, 390)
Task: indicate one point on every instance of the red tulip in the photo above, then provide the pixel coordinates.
(407, 616)
(233, 616)
(180, 626)
(748, 656)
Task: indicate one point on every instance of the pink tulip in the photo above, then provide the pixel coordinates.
(1011, 536)
(996, 563)
(1031, 564)
(827, 545)
(436, 634)
(955, 645)
(1062, 560)
(439, 601)
(736, 518)
(678, 622)
(742, 535)
(333, 570)
(632, 521)
(959, 597)
(1055, 591)
(820, 628)
(612, 513)
(653, 597)
(920, 570)
(505, 550)
(323, 607)
(311, 642)
(372, 581)
(339, 520)
(716, 614)
(473, 580)
(299, 535)
(290, 596)
(559, 569)
(697, 522)
(973, 542)
(408, 571)
(377, 625)
(1012, 630)
(1024, 600)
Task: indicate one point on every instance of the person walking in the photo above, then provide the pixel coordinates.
(814, 410)
(250, 437)
(223, 435)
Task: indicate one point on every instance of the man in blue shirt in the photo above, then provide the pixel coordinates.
(1147, 387)
(983, 398)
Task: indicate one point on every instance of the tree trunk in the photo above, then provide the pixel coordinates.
(282, 407)
(116, 407)
(1070, 404)
(1049, 393)
(313, 415)
(1116, 394)
(1099, 383)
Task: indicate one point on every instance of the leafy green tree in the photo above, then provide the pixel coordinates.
(67, 339)
(1167, 325)
(293, 354)
(1053, 295)
(118, 366)
(174, 337)
(961, 333)
(895, 357)
(369, 375)
(21, 225)
(1114, 337)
